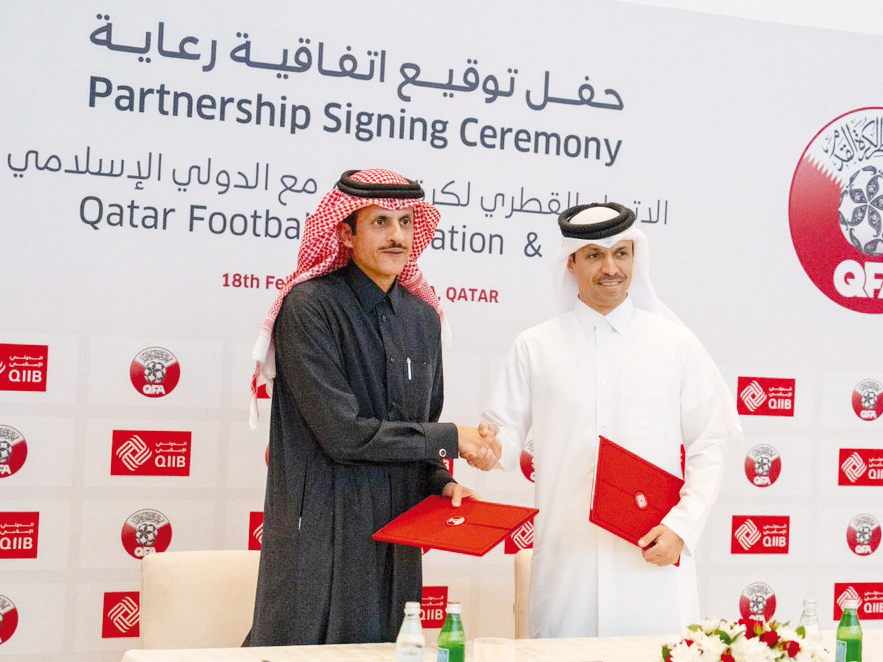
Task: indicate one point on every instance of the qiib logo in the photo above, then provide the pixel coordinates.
(758, 601)
(18, 535)
(8, 619)
(763, 465)
(836, 210)
(145, 532)
(863, 534)
(122, 615)
(760, 534)
(765, 396)
(13, 450)
(869, 595)
(23, 367)
(520, 538)
(150, 453)
(255, 530)
(861, 466)
(867, 399)
(433, 606)
(155, 372)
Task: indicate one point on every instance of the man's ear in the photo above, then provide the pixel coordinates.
(345, 232)
(571, 259)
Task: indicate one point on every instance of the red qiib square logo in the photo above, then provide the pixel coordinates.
(23, 367)
(869, 595)
(765, 396)
(255, 530)
(861, 466)
(760, 534)
(18, 535)
(121, 615)
(520, 538)
(434, 606)
(150, 453)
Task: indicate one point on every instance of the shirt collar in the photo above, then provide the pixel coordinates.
(366, 290)
(619, 318)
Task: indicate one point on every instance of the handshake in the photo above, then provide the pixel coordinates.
(479, 446)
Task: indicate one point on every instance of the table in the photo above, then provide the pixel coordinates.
(607, 649)
(603, 649)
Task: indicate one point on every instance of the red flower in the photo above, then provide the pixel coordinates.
(727, 656)
(770, 638)
(753, 628)
(791, 647)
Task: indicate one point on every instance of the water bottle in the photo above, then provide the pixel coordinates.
(452, 639)
(411, 640)
(809, 621)
(849, 634)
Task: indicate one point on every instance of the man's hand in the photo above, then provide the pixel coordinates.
(661, 546)
(457, 493)
(479, 450)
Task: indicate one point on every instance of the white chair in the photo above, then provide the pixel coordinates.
(201, 599)
(522, 592)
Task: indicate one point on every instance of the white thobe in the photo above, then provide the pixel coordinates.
(648, 384)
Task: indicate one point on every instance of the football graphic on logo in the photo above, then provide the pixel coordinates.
(861, 204)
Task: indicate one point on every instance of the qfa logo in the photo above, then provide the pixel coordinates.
(146, 532)
(13, 450)
(8, 619)
(763, 465)
(836, 210)
(758, 602)
(526, 461)
(863, 535)
(867, 400)
(154, 372)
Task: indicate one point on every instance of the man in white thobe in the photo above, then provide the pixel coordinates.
(616, 363)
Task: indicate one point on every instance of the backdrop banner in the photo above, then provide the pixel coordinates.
(160, 160)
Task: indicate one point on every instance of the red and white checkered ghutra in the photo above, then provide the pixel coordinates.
(321, 252)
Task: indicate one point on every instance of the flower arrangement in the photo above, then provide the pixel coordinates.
(745, 640)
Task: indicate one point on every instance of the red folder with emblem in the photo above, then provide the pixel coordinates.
(630, 495)
(473, 528)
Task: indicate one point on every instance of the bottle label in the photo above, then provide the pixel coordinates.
(848, 651)
(409, 654)
(443, 654)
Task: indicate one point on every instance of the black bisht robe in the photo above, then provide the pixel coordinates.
(354, 442)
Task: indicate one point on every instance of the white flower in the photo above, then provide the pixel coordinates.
(686, 653)
(713, 648)
(710, 625)
(731, 629)
(811, 651)
(752, 650)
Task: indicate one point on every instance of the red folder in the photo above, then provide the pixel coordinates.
(473, 528)
(630, 495)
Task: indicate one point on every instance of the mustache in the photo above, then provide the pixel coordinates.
(395, 244)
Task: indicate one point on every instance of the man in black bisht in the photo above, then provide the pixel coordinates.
(354, 440)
